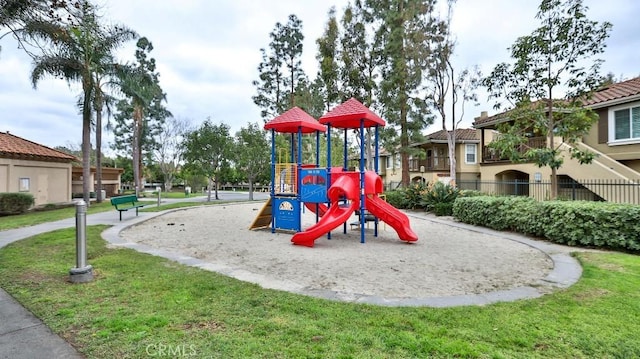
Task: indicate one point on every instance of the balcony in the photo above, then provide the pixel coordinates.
(490, 155)
(430, 164)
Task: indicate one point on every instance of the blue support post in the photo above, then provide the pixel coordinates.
(362, 215)
(273, 177)
(376, 166)
(298, 179)
(318, 166)
(329, 164)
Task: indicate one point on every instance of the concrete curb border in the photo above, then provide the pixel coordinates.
(566, 270)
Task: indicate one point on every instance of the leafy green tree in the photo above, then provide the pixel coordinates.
(208, 151)
(327, 57)
(16, 15)
(280, 69)
(557, 55)
(404, 31)
(252, 154)
(75, 52)
(139, 82)
(359, 58)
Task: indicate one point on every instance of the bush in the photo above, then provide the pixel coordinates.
(15, 203)
(407, 198)
(443, 209)
(414, 194)
(396, 198)
(440, 195)
(597, 224)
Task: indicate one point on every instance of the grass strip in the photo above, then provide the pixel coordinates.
(139, 304)
(37, 217)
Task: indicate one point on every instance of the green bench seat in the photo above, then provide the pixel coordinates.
(125, 203)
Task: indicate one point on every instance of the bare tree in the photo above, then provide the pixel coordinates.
(168, 152)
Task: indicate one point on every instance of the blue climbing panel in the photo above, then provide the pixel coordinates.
(313, 185)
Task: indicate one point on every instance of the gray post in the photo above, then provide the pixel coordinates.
(83, 272)
(158, 189)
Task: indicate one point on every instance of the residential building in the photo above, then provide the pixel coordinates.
(111, 181)
(615, 139)
(29, 167)
(433, 164)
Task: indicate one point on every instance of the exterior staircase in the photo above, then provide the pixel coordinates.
(603, 168)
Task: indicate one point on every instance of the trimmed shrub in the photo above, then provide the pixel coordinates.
(443, 209)
(396, 198)
(15, 203)
(591, 224)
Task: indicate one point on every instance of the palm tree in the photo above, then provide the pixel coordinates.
(76, 52)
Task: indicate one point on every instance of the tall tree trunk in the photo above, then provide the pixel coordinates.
(210, 182)
(250, 178)
(86, 144)
(99, 147)
(451, 143)
(215, 184)
(369, 149)
(136, 153)
(550, 135)
(451, 139)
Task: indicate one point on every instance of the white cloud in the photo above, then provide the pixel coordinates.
(208, 52)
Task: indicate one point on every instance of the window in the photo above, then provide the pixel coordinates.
(23, 185)
(624, 124)
(470, 150)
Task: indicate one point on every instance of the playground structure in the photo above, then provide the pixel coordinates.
(295, 184)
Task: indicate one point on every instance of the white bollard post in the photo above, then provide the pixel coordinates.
(83, 272)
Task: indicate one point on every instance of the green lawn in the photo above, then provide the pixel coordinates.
(139, 303)
(33, 218)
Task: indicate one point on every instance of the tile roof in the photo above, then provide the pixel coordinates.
(349, 114)
(12, 146)
(293, 119)
(616, 91)
(462, 134)
(482, 121)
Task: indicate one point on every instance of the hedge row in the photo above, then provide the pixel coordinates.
(15, 203)
(597, 224)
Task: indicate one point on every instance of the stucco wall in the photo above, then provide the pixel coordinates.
(461, 165)
(4, 180)
(48, 182)
(598, 141)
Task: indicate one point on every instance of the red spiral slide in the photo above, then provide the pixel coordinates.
(335, 215)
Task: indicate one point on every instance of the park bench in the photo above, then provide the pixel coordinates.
(125, 203)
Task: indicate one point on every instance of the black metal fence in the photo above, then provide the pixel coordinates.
(617, 191)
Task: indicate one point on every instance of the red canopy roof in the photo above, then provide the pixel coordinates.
(349, 114)
(292, 119)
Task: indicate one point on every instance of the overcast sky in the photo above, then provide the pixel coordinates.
(208, 52)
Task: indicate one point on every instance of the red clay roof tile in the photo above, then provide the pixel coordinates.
(616, 91)
(12, 146)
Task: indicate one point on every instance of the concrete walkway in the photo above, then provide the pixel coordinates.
(22, 335)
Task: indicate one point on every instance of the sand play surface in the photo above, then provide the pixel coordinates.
(445, 261)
